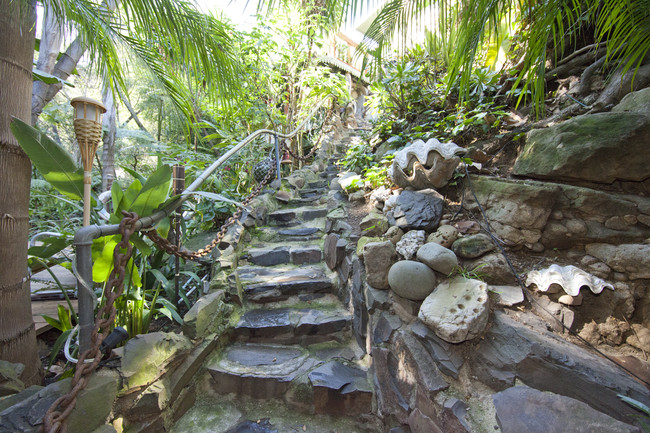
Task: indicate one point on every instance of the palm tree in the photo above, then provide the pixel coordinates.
(547, 32)
(17, 334)
(168, 36)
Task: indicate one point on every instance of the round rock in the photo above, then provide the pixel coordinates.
(438, 258)
(445, 236)
(411, 280)
(473, 246)
(457, 310)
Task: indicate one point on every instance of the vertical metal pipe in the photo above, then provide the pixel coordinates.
(178, 186)
(86, 299)
(277, 157)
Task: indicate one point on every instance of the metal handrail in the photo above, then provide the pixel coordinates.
(84, 237)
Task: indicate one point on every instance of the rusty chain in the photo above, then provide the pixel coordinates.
(313, 150)
(173, 249)
(54, 420)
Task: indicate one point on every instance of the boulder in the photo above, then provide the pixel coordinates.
(507, 296)
(638, 102)
(10, 382)
(517, 210)
(631, 259)
(93, 406)
(334, 250)
(601, 148)
(445, 236)
(491, 268)
(472, 246)
(374, 224)
(415, 210)
(640, 338)
(363, 240)
(207, 313)
(511, 351)
(411, 280)
(394, 234)
(378, 257)
(457, 310)
(523, 409)
(438, 258)
(147, 355)
(409, 244)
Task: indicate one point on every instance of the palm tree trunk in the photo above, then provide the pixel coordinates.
(48, 50)
(108, 147)
(17, 334)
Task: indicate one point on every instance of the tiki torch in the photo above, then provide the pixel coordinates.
(88, 129)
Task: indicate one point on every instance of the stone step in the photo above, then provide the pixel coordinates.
(302, 326)
(262, 284)
(313, 192)
(302, 233)
(323, 185)
(294, 216)
(283, 254)
(303, 378)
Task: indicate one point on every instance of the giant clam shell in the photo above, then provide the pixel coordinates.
(570, 278)
(431, 164)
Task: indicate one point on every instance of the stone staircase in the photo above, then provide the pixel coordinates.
(293, 341)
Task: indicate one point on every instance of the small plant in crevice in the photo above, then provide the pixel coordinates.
(644, 421)
(470, 274)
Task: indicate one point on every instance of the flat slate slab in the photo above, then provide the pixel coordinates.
(289, 325)
(267, 284)
(522, 409)
(340, 389)
(258, 370)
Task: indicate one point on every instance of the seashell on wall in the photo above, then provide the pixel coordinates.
(570, 278)
(425, 165)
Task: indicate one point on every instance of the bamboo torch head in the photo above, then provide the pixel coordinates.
(87, 127)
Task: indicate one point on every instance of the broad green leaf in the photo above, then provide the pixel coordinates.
(135, 174)
(56, 324)
(171, 310)
(154, 192)
(126, 202)
(116, 194)
(58, 345)
(139, 242)
(160, 278)
(54, 163)
(216, 197)
(103, 257)
(48, 78)
(51, 246)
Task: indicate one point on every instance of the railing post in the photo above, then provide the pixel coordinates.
(85, 296)
(277, 157)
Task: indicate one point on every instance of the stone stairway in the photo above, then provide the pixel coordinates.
(293, 341)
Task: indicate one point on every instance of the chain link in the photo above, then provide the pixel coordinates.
(313, 150)
(54, 420)
(173, 249)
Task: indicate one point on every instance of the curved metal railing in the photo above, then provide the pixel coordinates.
(84, 237)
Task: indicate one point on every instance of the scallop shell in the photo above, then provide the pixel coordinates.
(570, 278)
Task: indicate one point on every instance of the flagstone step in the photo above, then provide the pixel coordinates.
(302, 233)
(272, 255)
(302, 326)
(294, 216)
(310, 192)
(271, 371)
(263, 284)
